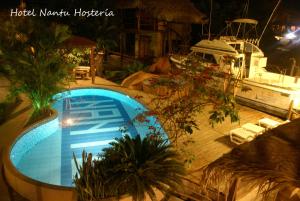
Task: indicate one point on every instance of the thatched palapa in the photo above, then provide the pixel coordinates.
(79, 42)
(270, 163)
(181, 11)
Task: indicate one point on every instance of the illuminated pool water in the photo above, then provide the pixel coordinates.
(88, 119)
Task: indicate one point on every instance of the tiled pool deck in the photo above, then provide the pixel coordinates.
(208, 143)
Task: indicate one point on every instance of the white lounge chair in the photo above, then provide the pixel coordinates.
(246, 133)
(241, 135)
(254, 128)
(268, 123)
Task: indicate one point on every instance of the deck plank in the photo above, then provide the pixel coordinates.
(210, 143)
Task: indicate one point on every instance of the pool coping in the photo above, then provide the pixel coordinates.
(36, 190)
(26, 186)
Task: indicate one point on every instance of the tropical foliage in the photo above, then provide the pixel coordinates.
(191, 92)
(269, 164)
(119, 75)
(137, 167)
(91, 181)
(77, 56)
(105, 35)
(29, 51)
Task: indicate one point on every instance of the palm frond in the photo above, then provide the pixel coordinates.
(269, 163)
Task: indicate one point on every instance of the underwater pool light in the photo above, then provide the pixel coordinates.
(69, 122)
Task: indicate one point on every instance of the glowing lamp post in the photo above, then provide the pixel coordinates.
(290, 36)
(294, 104)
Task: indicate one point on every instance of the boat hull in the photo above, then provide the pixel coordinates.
(269, 99)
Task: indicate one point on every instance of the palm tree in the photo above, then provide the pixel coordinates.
(138, 166)
(29, 51)
(91, 179)
(106, 40)
(133, 166)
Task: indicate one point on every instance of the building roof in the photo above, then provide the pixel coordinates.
(181, 11)
(271, 162)
(78, 41)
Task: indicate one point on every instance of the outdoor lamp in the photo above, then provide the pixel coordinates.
(290, 36)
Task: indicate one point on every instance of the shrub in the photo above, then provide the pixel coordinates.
(29, 51)
(130, 166)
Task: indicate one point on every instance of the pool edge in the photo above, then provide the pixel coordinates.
(39, 191)
(30, 188)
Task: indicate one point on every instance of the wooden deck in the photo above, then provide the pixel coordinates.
(208, 144)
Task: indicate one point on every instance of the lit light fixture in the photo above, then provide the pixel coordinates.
(290, 36)
(296, 103)
(69, 122)
(278, 37)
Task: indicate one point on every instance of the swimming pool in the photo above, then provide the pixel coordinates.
(88, 119)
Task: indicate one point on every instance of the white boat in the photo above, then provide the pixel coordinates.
(274, 93)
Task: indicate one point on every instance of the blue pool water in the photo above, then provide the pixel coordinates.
(88, 119)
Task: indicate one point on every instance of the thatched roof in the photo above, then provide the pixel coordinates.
(79, 42)
(271, 162)
(182, 11)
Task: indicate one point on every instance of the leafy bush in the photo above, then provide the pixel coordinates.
(29, 51)
(91, 181)
(78, 56)
(130, 166)
(119, 75)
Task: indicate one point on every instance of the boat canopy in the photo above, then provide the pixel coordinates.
(246, 20)
(218, 47)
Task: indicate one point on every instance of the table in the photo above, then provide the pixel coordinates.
(82, 71)
(268, 123)
(85, 68)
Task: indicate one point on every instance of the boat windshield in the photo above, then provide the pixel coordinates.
(236, 46)
(205, 57)
(238, 62)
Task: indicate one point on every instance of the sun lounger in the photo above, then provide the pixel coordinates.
(253, 128)
(241, 135)
(268, 123)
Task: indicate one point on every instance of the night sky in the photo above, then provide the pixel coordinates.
(265, 6)
(289, 3)
(222, 10)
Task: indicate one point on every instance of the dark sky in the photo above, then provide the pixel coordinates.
(41, 3)
(294, 4)
(13, 3)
